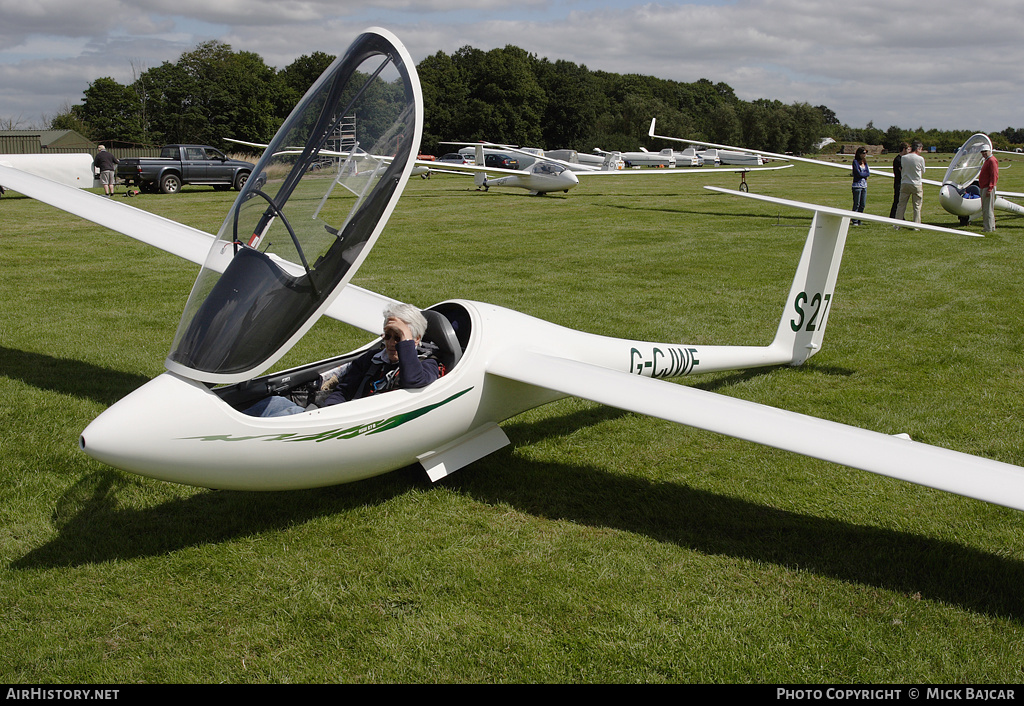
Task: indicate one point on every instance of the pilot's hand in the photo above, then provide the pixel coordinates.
(398, 327)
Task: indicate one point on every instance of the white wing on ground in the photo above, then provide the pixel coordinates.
(896, 457)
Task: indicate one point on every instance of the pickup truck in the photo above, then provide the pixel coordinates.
(184, 164)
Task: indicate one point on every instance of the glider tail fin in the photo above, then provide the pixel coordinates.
(611, 161)
(802, 326)
(479, 178)
(807, 309)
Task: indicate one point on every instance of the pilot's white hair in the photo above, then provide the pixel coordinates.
(410, 315)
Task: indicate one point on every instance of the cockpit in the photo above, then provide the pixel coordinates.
(547, 168)
(966, 164)
(448, 334)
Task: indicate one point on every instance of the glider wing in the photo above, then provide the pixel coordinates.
(893, 456)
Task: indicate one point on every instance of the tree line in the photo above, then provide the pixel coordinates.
(503, 95)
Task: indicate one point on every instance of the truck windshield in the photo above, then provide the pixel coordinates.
(308, 215)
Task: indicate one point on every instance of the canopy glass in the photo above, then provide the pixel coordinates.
(306, 218)
(965, 166)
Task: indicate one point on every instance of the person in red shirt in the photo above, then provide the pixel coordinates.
(987, 181)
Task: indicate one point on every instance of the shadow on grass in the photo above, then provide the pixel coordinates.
(701, 207)
(95, 525)
(741, 376)
(799, 219)
(67, 376)
(716, 524)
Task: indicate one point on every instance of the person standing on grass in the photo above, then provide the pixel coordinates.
(987, 182)
(860, 182)
(106, 162)
(911, 186)
(897, 171)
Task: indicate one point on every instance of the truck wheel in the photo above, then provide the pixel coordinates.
(240, 180)
(170, 184)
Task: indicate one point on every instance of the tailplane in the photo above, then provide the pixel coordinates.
(810, 300)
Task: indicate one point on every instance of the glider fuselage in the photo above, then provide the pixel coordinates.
(538, 180)
(183, 431)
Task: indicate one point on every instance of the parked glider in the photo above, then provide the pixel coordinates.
(548, 175)
(959, 193)
(665, 159)
(955, 194)
(284, 256)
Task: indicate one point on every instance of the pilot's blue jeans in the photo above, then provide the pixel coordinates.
(274, 407)
(860, 199)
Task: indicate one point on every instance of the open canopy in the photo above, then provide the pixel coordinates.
(308, 216)
(965, 166)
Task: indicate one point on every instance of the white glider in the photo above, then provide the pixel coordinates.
(547, 175)
(284, 257)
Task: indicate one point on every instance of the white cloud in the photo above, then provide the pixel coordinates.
(948, 65)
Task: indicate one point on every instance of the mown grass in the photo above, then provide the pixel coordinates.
(601, 546)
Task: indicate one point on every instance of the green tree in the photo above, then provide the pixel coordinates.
(211, 93)
(808, 127)
(253, 98)
(893, 138)
(725, 126)
(828, 115)
(298, 76)
(445, 95)
(502, 95)
(180, 103)
(572, 104)
(68, 119)
(506, 103)
(112, 111)
(872, 135)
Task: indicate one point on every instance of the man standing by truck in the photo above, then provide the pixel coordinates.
(106, 163)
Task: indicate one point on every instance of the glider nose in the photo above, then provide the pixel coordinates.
(951, 200)
(135, 433)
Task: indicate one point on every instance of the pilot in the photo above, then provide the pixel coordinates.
(404, 362)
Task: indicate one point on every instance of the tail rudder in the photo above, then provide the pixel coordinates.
(479, 178)
(611, 161)
(802, 326)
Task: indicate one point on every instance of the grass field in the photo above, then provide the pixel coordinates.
(600, 546)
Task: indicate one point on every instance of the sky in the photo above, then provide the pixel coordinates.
(945, 64)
